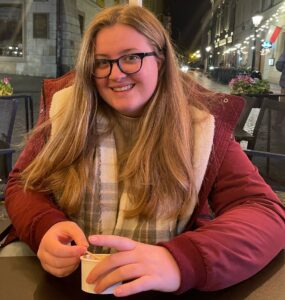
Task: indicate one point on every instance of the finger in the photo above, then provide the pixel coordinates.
(112, 241)
(79, 236)
(65, 251)
(118, 275)
(133, 287)
(59, 262)
(110, 263)
(73, 232)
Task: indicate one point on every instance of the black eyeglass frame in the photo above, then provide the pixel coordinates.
(141, 55)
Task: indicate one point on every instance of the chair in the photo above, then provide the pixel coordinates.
(8, 109)
(268, 151)
(251, 102)
(29, 108)
(240, 133)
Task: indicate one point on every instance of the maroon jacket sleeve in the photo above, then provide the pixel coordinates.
(31, 213)
(248, 229)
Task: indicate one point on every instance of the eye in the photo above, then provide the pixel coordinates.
(101, 63)
(131, 58)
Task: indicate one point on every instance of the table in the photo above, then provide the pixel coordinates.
(22, 278)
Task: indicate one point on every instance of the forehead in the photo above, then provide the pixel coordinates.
(119, 38)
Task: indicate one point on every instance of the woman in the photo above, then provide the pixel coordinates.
(131, 159)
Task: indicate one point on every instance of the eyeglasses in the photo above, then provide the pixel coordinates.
(128, 64)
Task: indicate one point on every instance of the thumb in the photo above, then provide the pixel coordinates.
(78, 235)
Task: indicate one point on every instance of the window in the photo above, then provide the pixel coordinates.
(81, 23)
(11, 30)
(40, 26)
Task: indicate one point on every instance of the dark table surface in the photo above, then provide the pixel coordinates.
(22, 278)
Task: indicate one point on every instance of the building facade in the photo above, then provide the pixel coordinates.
(42, 37)
(222, 30)
(238, 43)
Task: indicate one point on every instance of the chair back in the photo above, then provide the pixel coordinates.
(240, 133)
(269, 138)
(8, 109)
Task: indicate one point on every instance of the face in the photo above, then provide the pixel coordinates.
(127, 94)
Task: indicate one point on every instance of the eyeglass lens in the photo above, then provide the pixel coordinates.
(128, 64)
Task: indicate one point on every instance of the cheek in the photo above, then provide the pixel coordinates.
(153, 81)
(100, 84)
(151, 78)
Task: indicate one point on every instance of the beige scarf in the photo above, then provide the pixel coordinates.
(104, 213)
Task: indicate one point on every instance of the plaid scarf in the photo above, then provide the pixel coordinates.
(104, 213)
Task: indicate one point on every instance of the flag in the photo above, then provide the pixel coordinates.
(272, 33)
(275, 34)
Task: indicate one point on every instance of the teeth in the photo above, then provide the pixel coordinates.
(123, 88)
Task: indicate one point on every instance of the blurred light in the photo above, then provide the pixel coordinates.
(184, 69)
(256, 20)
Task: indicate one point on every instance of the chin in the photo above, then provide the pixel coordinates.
(126, 111)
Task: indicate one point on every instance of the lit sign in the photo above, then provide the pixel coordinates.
(266, 45)
(271, 61)
(222, 42)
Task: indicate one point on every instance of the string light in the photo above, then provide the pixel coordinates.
(265, 25)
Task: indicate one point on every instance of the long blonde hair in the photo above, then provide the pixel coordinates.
(158, 172)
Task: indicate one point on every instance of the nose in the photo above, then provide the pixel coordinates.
(116, 73)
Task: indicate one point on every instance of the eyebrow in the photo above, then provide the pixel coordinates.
(126, 51)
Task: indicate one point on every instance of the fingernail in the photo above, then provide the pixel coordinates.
(92, 239)
(118, 291)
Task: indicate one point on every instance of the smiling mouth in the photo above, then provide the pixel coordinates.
(123, 88)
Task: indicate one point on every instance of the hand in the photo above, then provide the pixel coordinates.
(145, 267)
(56, 254)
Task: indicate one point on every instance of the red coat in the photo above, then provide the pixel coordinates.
(248, 229)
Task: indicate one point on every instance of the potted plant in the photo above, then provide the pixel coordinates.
(6, 88)
(246, 85)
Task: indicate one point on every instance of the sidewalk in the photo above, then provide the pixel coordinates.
(212, 85)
